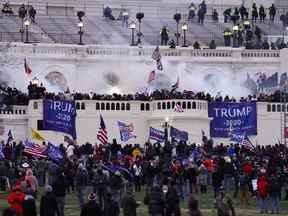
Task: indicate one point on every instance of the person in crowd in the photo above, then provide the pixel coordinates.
(193, 206)
(59, 189)
(172, 200)
(172, 44)
(100, 182)
(108, 13)
(15, 200)
(48, 203)
(224, 204)
(29, 204)
(243, 12)
(227, 15)
(227, 35)
(32, 181)
(215, 15)
(235, 16)
(203, 178)
(191, 13)
(254, 12)
(274, 192)
(7, 9)
(272, 13)
(164, 33)
(91, 208)
(262, 189)
(116, 183)
(111, 206)
(8, 212)
(155, 201)
(266, 45)
(32, 13)
(258, 33)
(196, 45)
(137, 169)
(262, 13)
(202, 10)
(125, 18)
(244, 188)
(129, 203)
(81, 183)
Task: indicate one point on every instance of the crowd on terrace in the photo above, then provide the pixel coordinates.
(12, 96)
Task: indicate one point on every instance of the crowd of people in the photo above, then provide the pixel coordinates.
(12, 96)
(113, 173)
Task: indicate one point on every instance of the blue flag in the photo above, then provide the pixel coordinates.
(156, 134)
(54, 153)
(178, 134)
(126, 131)
(237, 136)
(60, 115)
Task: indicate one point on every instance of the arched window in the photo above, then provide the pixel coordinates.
(102, 106)
(184, 105)
(193, 105)
(159, 106)
(113, 106)
(168, 105)
(128, 106)
(142, 107)
(189, 105)
(122, 106)
(107, 106)
(147, 106)
(82, 106)
(117, 106)
(97, 106)
(163, 105)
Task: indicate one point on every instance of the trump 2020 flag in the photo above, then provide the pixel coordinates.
(60, 115)
(126, 131)
(54, 153)
(156, 134)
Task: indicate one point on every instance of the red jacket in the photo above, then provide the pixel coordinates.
(15, 200)
(247, 168)
(262, 187)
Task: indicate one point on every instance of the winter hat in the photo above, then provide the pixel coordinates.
(92, 196)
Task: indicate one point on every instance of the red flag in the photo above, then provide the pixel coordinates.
(28, 70)
(151, 77)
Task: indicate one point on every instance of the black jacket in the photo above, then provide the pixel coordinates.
(91, 209)
(59, 187)
(48, 205)
(29, 206)
(129, 205)
(155, 201)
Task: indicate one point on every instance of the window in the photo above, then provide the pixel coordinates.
(128, 106)
(193, 105)
(117, 106)
(269, 108)
(97, 106)
(283, 108)
(273, 108)
(168, 105)
(82, 106)
(77, 106)
(159, 106)
(142, 107)
(184, 105)
(102, 106)
(173, 104)
(278, 108)
(107, 106)
(122, 106)
(147, 106)
(113, 106)
(189, 105)
(164, 105)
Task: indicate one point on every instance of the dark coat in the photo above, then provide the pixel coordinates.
(59, 187)
(29, 206)
(111, 208)
(91, 209)
(155, 201)
(129, 205)
(48, 205)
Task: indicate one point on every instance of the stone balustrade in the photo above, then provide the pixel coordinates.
(90, 51)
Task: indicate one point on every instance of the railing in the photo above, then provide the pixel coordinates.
(101, 50)
(16, 110)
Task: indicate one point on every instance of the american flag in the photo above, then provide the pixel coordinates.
(102, 132)
(34, 149)
(28, 70)
(246, 143)
(178, 108)
(151, 77)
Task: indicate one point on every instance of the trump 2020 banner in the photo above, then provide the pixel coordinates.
(59, 115)
(236, 117)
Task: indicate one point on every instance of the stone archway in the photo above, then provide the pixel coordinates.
(57, 79)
